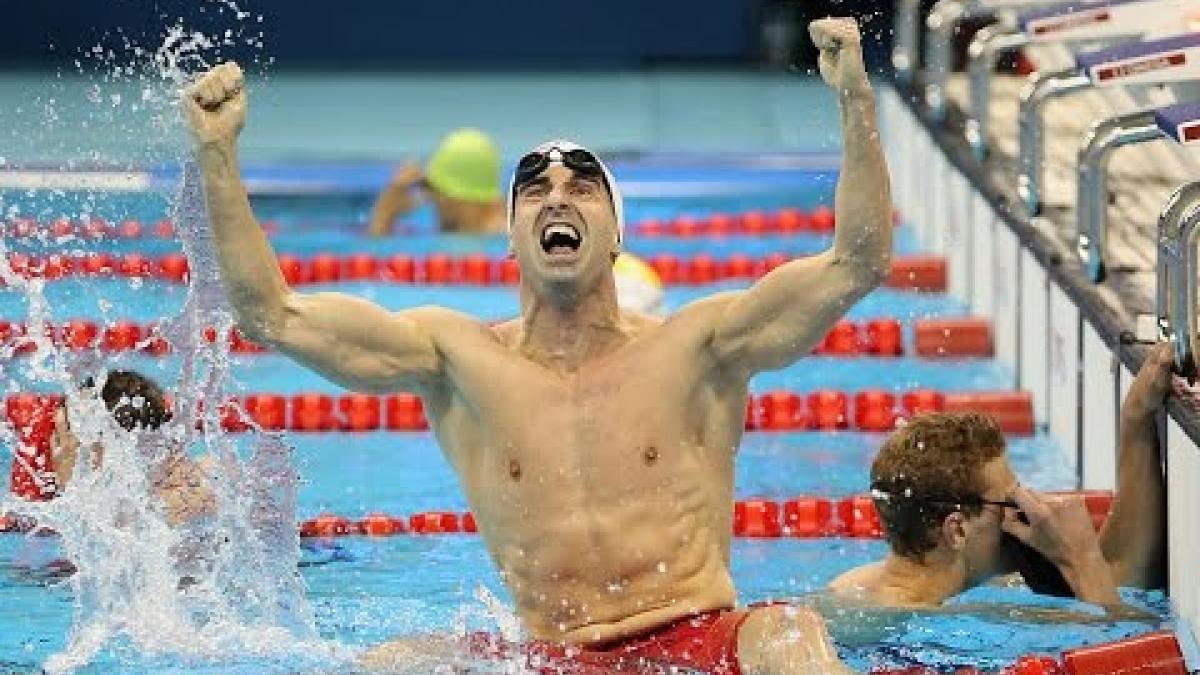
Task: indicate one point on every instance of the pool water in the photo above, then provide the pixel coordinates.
(365, 590)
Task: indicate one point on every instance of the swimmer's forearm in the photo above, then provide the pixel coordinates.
(249, 267)
(1090, 577)
(863, 203)
(1134, 536)
(382, 216)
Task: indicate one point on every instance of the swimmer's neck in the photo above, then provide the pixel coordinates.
(907, 582)
(564, 328)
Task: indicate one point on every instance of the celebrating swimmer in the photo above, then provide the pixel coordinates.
(595, 445)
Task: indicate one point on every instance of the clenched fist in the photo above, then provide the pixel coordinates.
(841, 58)
(216, 105)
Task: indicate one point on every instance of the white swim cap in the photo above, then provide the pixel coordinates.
(556, 148)
(638, 285)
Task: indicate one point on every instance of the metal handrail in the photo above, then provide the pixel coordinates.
(1042, 87)
(906, 33)
(981, 62)
(1178, 229)
(1091, 202)
(939, 48)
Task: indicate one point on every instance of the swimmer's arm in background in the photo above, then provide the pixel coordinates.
(351, 341)
(1134, 537)
(1047, 615)
(185, 489)
(396, 199)
(783, 316)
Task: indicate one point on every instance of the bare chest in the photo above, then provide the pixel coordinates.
(601, 434)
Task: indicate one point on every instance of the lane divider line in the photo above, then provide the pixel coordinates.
(803, 517)
(880, 337)
(830, 410)
(918, 273)
(754, 222)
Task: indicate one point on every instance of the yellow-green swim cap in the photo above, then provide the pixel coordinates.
(466, 166)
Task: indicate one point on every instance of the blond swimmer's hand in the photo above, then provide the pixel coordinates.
(216, 105)
(1153, 382)
(841, 59)
(1060, 527)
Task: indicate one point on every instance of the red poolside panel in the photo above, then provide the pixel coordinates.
(1013, 410)
(1150, 654)
(965, 337)
(918, 273)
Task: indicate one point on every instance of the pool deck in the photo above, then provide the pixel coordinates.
(1141, 177)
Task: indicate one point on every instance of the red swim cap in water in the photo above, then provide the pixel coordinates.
(32, 419)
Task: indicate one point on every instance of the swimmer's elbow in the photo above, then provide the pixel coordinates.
(863, 273)
(263, 319)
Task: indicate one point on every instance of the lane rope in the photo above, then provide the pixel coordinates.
(918, 273)
(881, 337)
(829, 410)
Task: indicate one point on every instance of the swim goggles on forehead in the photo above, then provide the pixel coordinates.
(885, 495)
(578, 160)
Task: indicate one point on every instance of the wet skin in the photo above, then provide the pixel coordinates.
(595, 445)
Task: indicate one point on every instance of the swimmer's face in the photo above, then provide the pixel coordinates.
(983, 550)
(564, 227)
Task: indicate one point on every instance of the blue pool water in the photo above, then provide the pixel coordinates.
(366, 590)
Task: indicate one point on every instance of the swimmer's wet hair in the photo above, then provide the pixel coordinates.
(929, 469)
(135, 401)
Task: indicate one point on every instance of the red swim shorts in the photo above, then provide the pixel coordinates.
(705, 643)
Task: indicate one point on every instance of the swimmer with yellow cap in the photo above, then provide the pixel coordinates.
(462, 179)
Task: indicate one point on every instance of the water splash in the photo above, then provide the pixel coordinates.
(222, 587)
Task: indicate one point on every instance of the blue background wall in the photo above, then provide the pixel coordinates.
(407, 33)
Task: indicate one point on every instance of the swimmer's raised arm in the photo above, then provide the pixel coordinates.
(351, 341)
(1134, 538)
(782, 317)
(395, 200)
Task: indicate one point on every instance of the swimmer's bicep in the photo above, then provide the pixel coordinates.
(359, 344)
(783, 316)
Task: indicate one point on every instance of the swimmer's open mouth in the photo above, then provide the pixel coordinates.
(561, 239)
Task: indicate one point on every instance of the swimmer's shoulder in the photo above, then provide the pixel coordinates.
(856, 582)
(449, 325)
(696, 319)
(702, 311)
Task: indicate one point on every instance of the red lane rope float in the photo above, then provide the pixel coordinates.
(92, 228)
(783, 221)
(120, 336)
(874, 410)
(913, 273)
(804, 517)
(754, 222)
(933, 338)
(875, 337)
(800, 517)
(879, 410)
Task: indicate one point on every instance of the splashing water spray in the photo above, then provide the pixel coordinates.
(222, 586)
